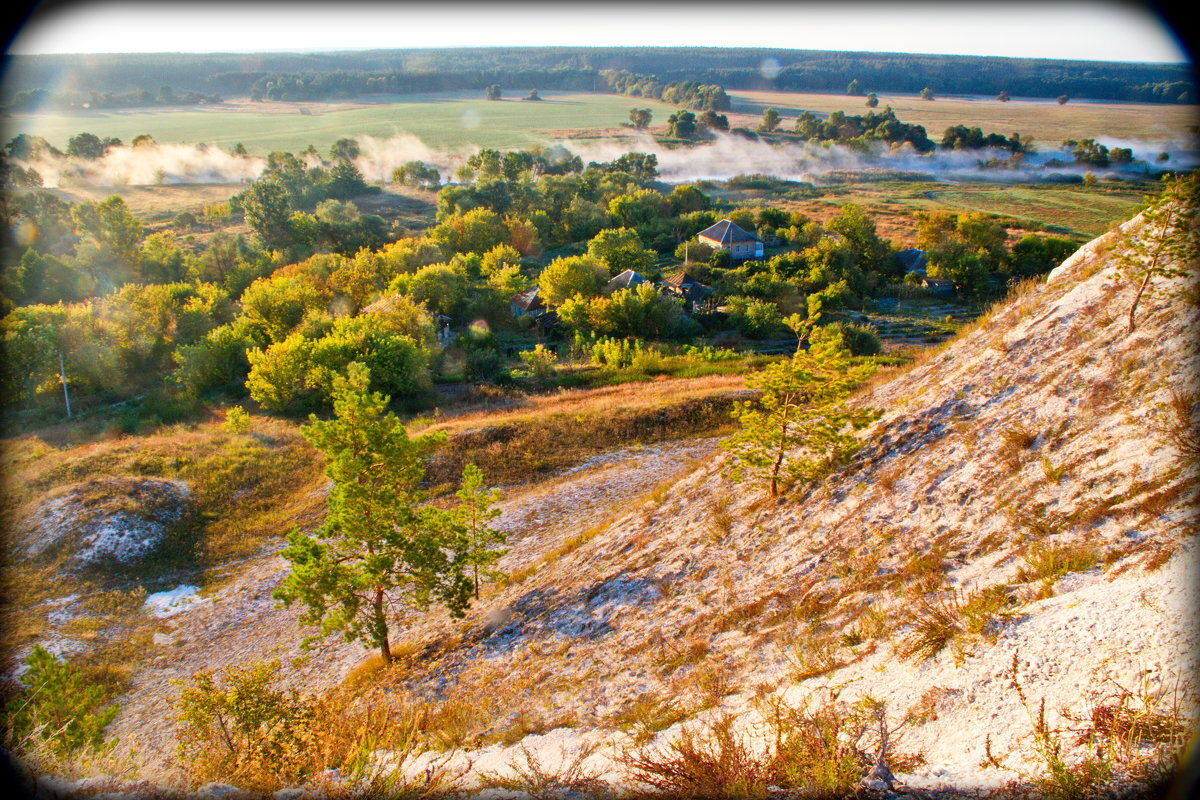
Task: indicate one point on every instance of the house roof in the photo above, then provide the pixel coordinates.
(727, 232)
(912, 259)
(527, 300)
(624, 280)
(688, 286)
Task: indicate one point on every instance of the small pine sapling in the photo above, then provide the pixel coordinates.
(481, 541)
(800, 428)
(1168, 244)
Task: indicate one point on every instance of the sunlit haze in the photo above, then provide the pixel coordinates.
(1072, 30)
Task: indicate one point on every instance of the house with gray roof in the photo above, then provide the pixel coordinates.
(728, 235)
(624, 280)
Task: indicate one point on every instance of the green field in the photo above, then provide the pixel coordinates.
(443, 121)
(1064, 211)
(1073, 211)
(1045, 121)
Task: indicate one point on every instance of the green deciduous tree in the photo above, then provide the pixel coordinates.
(268, 208)
(540, 362)
(620, 249)
(770, 120)
(800, 428)
(962, 248)
(681, 125)
(640, 117)
(379, 548)
(300, 373)
(416, 173)
(86, 145)
(347, 149)
(571, 275)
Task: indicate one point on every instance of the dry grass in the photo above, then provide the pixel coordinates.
(522, 447)
(1177, 422)
(1044, 122)
(1015, 439)
(1132, 742)
(816, 749)
(943, 618)
(649, 713)
(541, 781)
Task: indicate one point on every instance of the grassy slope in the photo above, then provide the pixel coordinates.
(1071, 211)
(1014, 466)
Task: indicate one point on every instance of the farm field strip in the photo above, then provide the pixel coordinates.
(1046, 122)
(448, 121)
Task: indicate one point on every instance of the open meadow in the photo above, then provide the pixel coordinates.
(1047, 122)
(450, 120)
(454, 120)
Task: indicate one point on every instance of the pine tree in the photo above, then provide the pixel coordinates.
(1167, 245)
(379, 547)
(480, 539)
(800, 428)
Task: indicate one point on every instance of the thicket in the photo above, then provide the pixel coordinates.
(873, 126)
(707, 97)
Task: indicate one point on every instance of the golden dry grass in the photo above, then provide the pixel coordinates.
(1046, 121)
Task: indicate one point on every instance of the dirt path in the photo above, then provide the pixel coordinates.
(241, 623)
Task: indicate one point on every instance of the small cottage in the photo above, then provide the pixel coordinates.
(527, 303)
(728, 235)
(912, 260)
(624, 280)
(695, 295)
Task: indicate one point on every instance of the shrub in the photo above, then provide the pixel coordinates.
(939, 619)
(714, 762)
(860, 340)
(236, 420)
(1049, 562)
(808, 753)
(538, 780)
(540, 362)
(57, 706)
(241, 728)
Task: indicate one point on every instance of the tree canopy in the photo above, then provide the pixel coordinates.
(380, 548)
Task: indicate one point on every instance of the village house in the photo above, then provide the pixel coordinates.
(624, 280)
(728, 235)
(527, 303)
(695, 295)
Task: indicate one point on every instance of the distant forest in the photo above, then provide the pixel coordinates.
(117, 78)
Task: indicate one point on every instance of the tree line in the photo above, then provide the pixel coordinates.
(319, 75)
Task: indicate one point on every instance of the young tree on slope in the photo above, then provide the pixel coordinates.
(800, 428)
(1168, 243)
(476, 510)
(379, 547)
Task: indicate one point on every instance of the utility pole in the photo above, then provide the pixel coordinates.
(62, 376)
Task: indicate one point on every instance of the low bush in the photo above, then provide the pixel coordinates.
(56, 707)
(240, 727)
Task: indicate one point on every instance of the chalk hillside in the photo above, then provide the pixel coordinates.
(1017, 532)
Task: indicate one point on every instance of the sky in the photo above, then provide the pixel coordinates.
(1102, 31)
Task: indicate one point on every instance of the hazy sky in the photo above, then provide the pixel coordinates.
(1105, 31)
